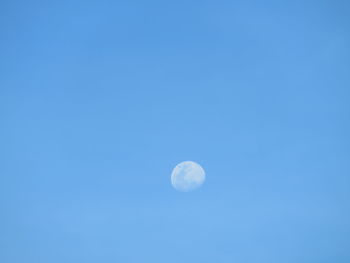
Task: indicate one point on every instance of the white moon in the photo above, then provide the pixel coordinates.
(187, 176)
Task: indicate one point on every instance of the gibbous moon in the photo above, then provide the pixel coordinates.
(187, 176)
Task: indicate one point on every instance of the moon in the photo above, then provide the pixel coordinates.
(187, 176)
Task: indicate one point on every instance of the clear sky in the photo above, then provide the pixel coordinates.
(99, 100)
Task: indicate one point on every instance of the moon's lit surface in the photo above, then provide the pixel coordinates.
(187, 176)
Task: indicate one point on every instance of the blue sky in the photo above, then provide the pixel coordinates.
(99, 100)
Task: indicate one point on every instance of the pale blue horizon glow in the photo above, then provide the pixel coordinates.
(99, 100)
